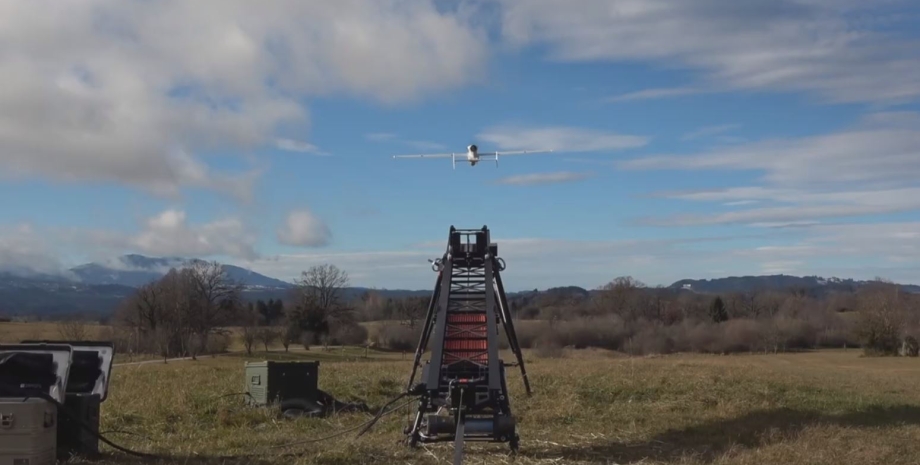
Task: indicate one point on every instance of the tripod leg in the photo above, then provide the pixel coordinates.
(509, 330)
(413, 434)
(426, 331)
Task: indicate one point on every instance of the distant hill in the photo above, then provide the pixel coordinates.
(137, 270)
(815, 285)
(34, 296)
(98, 288)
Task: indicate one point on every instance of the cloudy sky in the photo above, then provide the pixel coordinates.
(691, 139)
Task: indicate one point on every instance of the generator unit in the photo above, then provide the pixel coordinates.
(293, 386)
(87, 388)
(28, 424)
(28, 431)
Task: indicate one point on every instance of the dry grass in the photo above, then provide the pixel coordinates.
(592, 407)
(18, 331)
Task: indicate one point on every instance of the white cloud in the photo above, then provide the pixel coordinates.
(831, 48)
(303, 228)
(781, 267)
(738, 203)
(392, 269)
(291, 145)
(27, 248)
(804, 205)
(856, 155)
(22, 252)
(655, 93)
(170, 234)
(558, 138)
(380, 136)
(416, 144)
(883, 240)
(860, 251)
(543, 178)
(584, 263)
(135, 92)
(870, 168)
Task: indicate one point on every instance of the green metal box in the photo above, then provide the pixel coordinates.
(276, 382)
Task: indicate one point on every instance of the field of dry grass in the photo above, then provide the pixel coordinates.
(825, 407)
(18, 331)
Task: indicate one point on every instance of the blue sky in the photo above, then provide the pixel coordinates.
(691, 139)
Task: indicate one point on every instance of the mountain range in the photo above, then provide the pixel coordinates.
(97, 288)
(137, 270)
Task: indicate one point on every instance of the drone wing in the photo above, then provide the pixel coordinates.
(513, 152)
(430, 155)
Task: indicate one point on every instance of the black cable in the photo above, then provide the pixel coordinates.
(129, 433)
(383, 412)
(31, 392)
(28, 393)
(233, 394)
(380, 414)
(337, 434)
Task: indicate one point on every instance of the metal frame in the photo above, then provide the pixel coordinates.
(464, 376)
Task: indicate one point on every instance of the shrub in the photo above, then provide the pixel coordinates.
(527, 334)
(910, 347)
(218, 344)
(546, 346)
(348, 334)
(398, 337)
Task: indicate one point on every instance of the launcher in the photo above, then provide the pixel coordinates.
(462, 391)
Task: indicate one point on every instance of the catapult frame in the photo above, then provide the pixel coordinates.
(464, 376)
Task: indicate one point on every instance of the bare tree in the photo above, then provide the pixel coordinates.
(72, 330)
(411, 309)
(619, 297)
(750, 304)
(323, 286)
(770, 303)
(249, 322)
(215, 296)
(882, 315)
(267, 335)
(372, 305)
(319, 301)
(290, 334)
(178, 313)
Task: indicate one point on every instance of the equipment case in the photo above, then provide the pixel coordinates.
(272, 382)
(28, 431)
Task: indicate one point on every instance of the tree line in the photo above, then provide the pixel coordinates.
(628, 316)
(190, 310)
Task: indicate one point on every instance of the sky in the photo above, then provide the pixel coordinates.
(690, 139)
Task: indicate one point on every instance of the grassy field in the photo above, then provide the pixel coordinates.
(591, 407)
(18, 331)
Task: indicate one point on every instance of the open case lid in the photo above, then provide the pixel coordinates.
(62, 355)
(91, 368)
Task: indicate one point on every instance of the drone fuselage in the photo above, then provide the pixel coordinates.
(471, 155)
